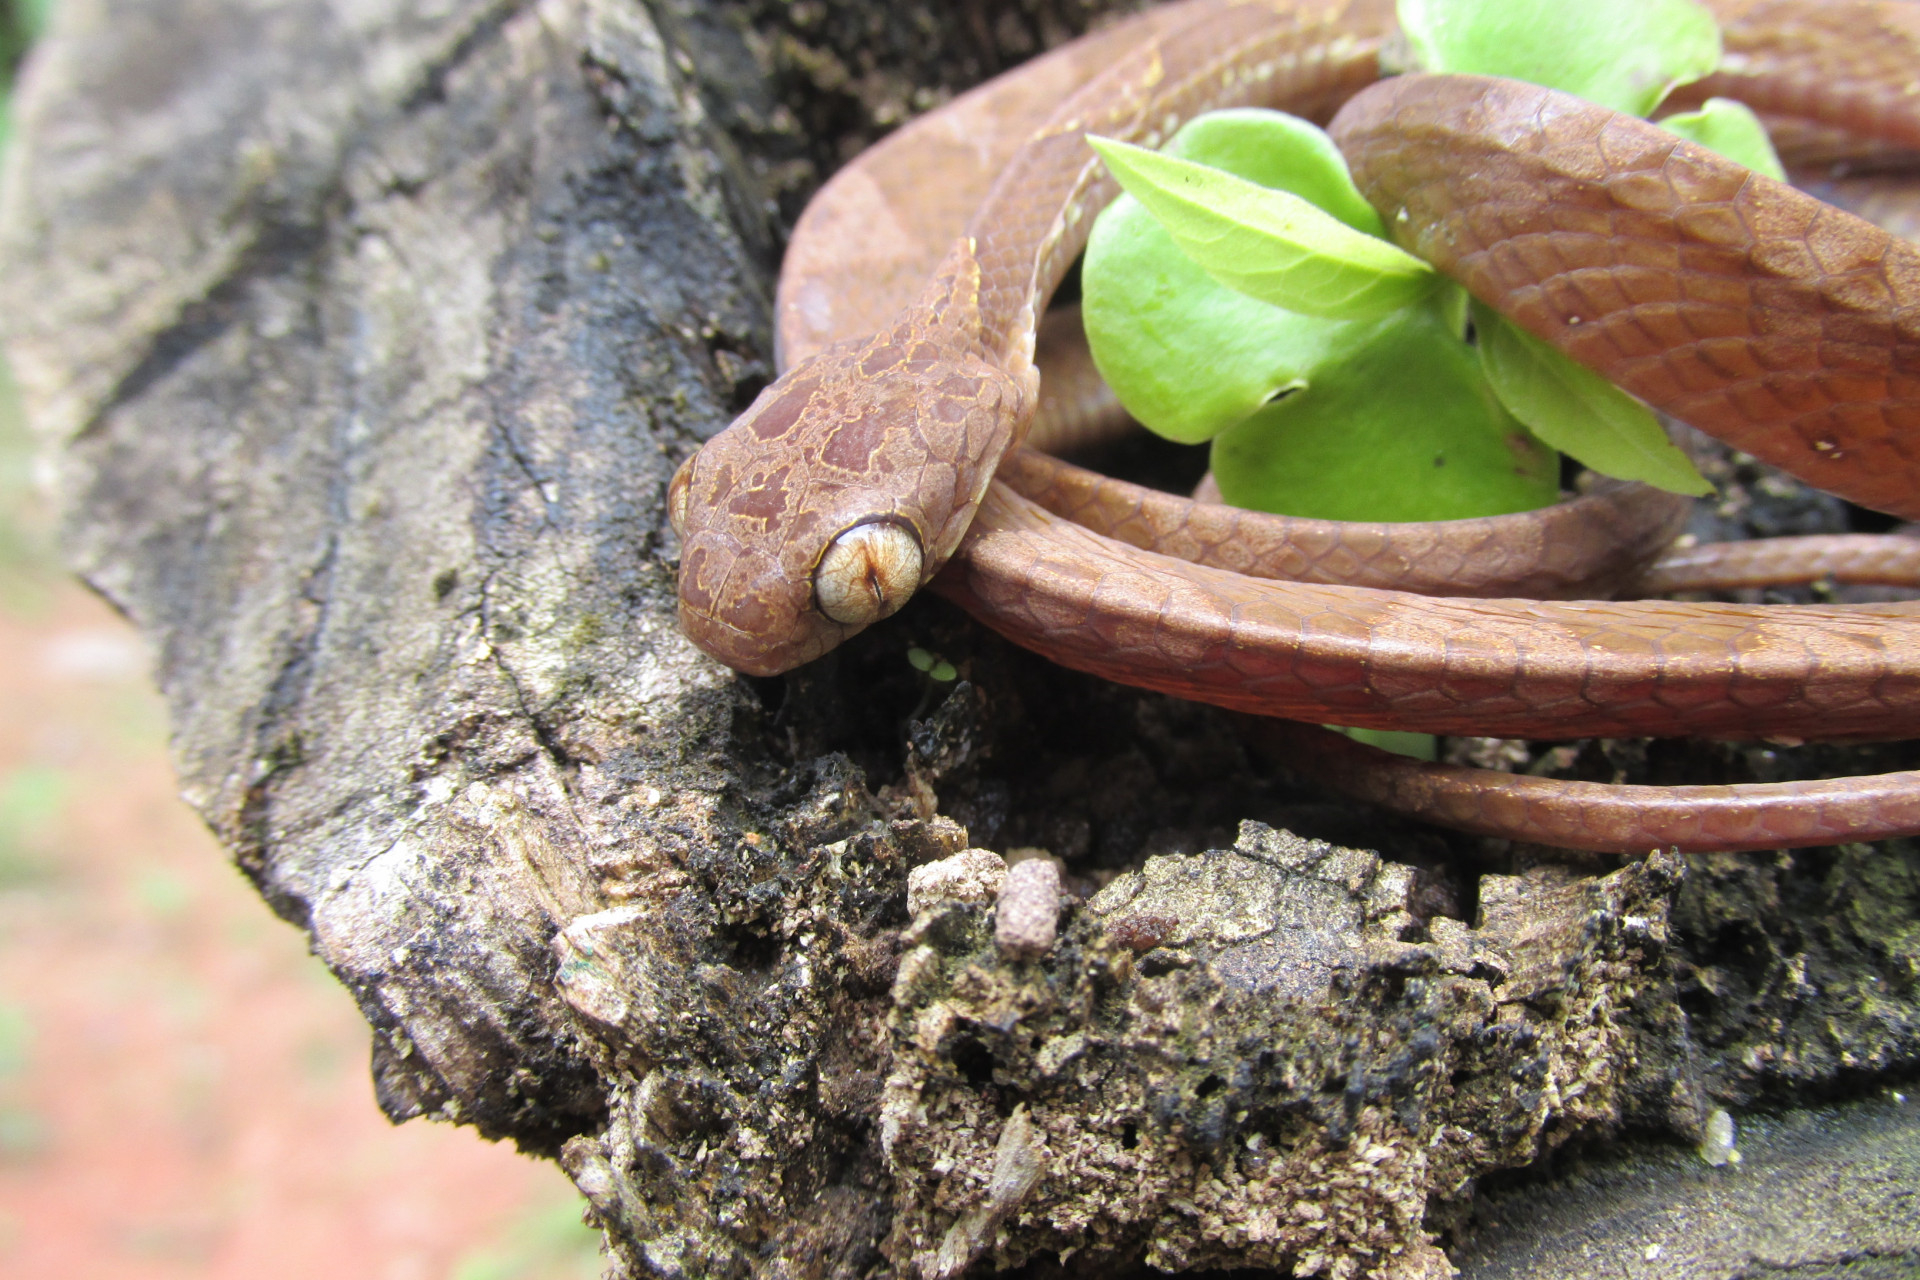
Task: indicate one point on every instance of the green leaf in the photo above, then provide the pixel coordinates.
(1624, 54)
(1397, 423)
(1271, 245)
(1187, 355)
(1421, 746)
(1577, 411)
(16, 1036)
(1730, 129)
(1279, 151)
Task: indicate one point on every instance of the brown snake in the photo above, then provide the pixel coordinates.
(1738, 304)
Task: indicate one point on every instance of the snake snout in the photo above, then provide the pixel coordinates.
(868, 571)
(742, 606)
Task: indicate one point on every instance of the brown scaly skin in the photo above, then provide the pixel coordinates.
(1593, 815)
(1391, 660)
(905, 427)
(1756, 313)
(1597, 545)
(1593, 545)
(1822, 389)
(762, 502)
(1859, 558)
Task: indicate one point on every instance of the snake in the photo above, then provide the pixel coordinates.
(890, 452)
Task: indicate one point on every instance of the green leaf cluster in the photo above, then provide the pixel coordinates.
(1623, 54)
(1327, 367)
(1242, 292)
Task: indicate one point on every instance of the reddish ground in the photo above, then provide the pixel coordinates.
(183, 1089)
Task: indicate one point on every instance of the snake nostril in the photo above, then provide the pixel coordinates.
(868, 572)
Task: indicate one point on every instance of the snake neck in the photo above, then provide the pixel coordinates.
(952, 313)
(948, 309)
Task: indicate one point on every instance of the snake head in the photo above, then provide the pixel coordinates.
(844, 487)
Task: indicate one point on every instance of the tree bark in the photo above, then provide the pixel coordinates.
(364, 344)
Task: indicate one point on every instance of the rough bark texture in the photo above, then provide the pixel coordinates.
(1831, 1192)
(365, 343)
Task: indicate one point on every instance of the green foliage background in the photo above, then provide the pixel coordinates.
(20, 21)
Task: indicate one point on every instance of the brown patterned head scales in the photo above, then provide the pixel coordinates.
(901, 430)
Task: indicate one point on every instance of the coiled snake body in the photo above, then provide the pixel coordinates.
(908, 320)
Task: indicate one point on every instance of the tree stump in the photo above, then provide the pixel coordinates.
(364, 344)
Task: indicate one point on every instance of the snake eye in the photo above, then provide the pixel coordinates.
(868, 572)
(677, 496)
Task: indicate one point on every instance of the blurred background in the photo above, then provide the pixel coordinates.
(183, 1088)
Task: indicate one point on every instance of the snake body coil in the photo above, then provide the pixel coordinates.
(1738, 304)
